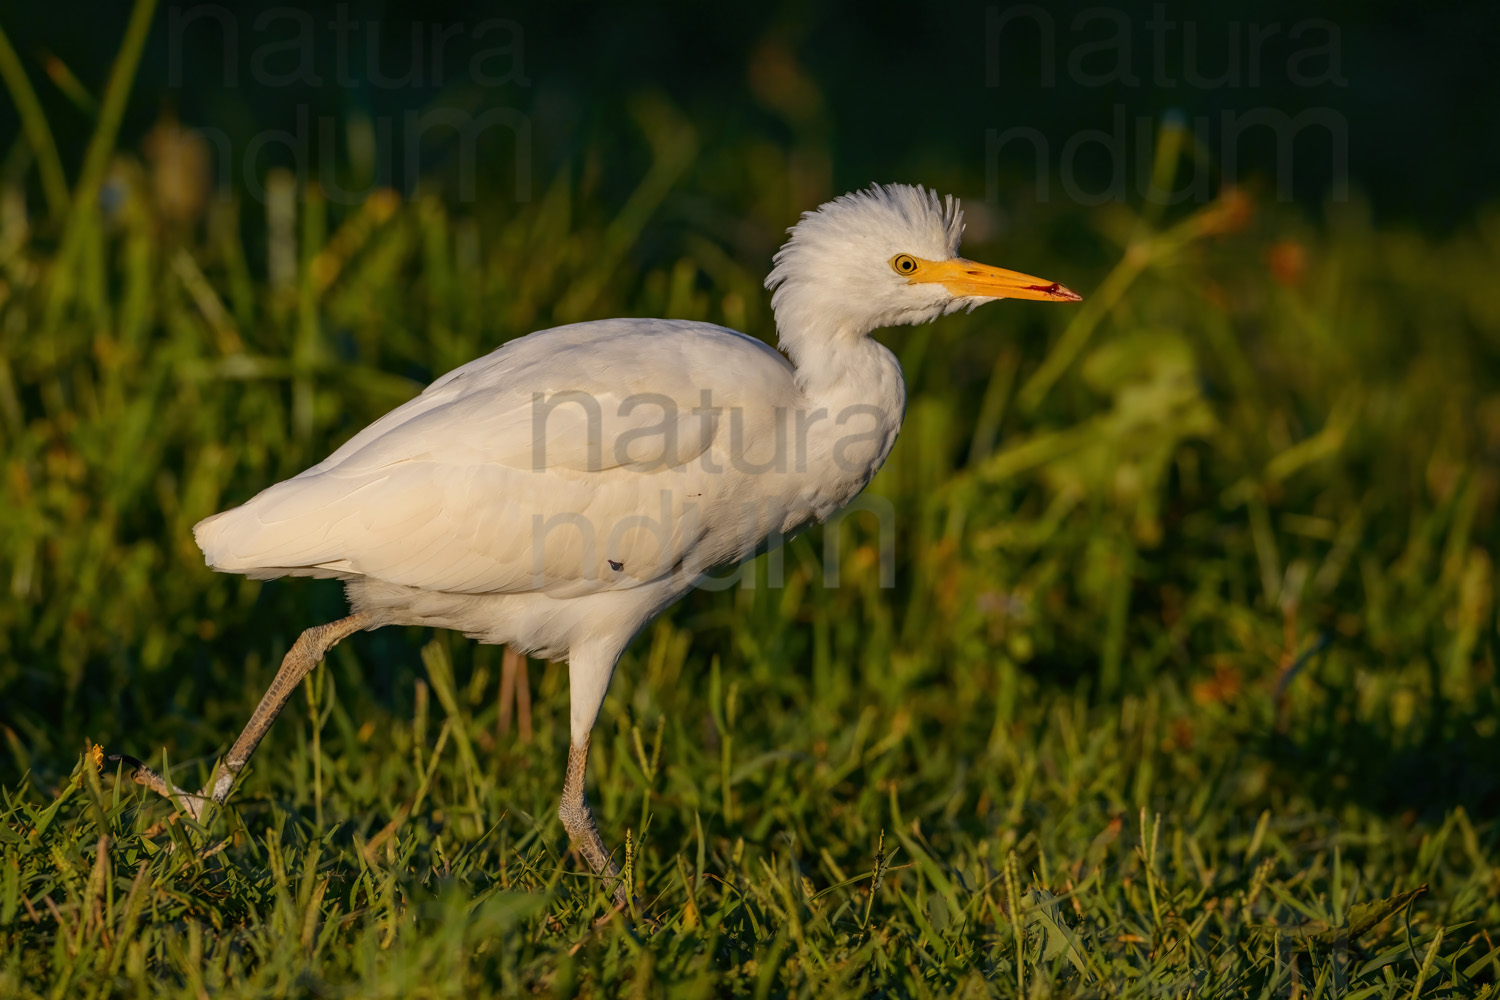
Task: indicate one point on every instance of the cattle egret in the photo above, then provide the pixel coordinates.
(558, 493)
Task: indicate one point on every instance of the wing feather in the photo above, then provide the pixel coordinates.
(542, 466)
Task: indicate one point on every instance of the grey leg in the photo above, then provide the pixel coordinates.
(578, 819)
(305, 654)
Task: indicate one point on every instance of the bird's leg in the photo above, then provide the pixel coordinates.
(578, 819)
(515, 695)
(305, 654)
(523, 697)
(507, 692)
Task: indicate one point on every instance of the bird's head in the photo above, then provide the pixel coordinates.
(885, 256)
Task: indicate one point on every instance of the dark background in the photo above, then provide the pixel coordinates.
(890, 91)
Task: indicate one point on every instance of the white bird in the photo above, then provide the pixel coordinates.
(558, 493)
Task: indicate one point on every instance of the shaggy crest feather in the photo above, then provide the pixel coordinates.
(935, 226)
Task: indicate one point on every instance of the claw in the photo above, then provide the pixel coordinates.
(124, 758)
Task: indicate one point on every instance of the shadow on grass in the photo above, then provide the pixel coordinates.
(1415, 756)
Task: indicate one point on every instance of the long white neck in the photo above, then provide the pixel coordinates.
(847, 368)
(826, 344)
(855, 383)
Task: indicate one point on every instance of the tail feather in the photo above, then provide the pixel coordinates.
(286, 530)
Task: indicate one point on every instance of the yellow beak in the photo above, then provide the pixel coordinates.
(965, 277)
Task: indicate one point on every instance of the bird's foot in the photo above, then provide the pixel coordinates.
(623, 897)
(192, 803)
(624, 901)
(590, 846)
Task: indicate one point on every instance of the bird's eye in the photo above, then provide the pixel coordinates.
(904, 263)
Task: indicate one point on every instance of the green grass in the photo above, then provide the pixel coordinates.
(1186, 686)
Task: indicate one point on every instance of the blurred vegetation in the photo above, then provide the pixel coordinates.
(1186, 685)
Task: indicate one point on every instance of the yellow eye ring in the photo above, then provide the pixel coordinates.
(904, 263)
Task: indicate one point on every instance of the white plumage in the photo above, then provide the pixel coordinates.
(559, 492)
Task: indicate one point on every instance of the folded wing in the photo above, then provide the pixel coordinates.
(569, 461)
